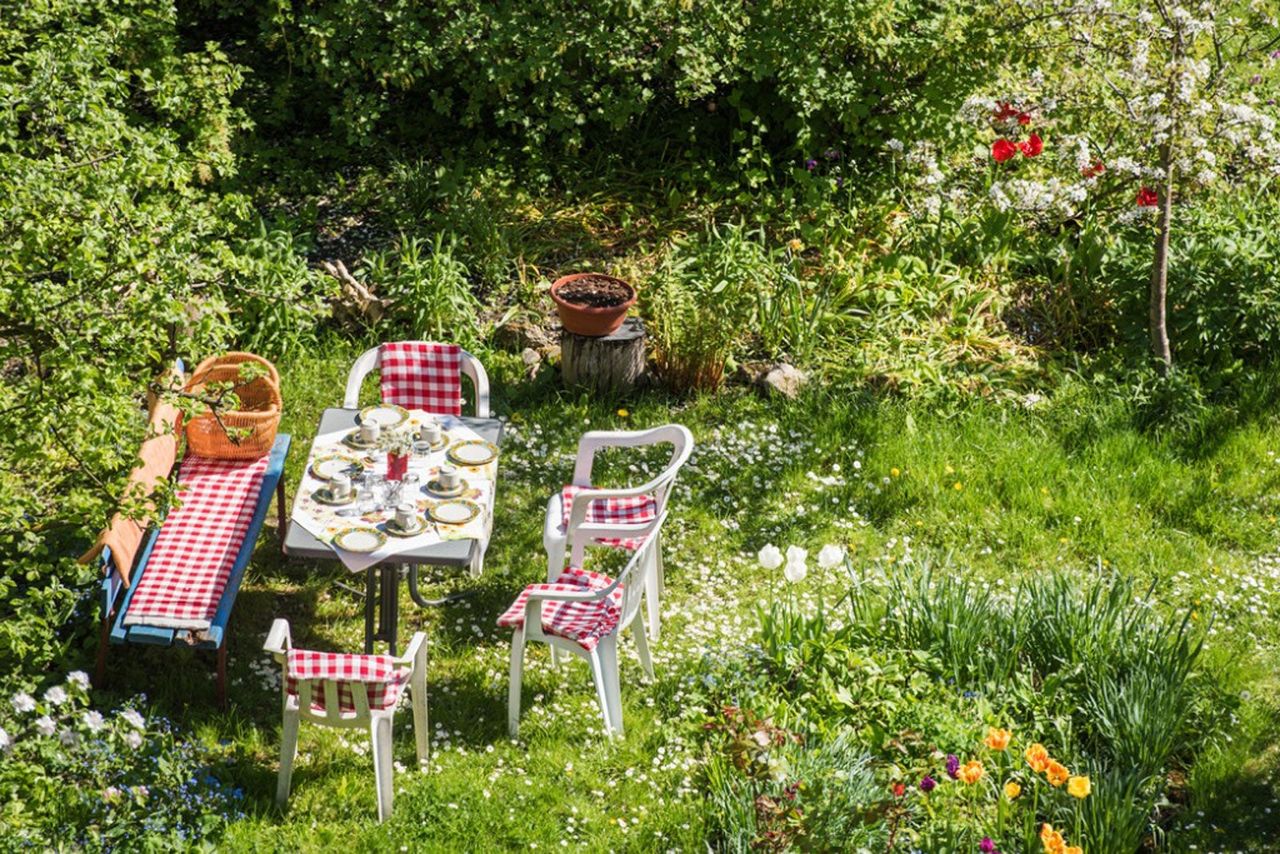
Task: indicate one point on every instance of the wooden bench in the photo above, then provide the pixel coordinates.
(124, 577)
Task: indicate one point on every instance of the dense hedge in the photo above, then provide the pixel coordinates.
(721, 76)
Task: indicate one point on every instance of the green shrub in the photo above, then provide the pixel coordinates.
(429, 291)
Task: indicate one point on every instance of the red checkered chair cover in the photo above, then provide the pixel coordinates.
(636, 510)
(424, 376)
(377, 675)
(197, 545)
(584, 623)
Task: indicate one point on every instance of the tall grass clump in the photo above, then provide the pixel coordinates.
(428, 288)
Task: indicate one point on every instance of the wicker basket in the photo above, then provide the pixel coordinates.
(240, 434)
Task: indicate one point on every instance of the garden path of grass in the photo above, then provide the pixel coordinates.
(1002, 489)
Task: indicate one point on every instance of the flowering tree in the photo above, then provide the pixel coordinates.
(1138, 104)
(1166, 89)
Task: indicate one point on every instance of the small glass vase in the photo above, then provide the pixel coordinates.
(397, 466)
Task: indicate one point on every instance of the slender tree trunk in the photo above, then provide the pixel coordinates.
(1157, 320)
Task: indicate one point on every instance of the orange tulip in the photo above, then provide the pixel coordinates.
(1037, 757)
(997, 739)
(1056, 773)
(971, 772)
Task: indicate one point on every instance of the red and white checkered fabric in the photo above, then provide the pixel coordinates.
(423, 376)
(377, 675)
(637, 510)
(188, 569)
(581, 622)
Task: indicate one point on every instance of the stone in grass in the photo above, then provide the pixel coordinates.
(784, 379)
(532, 361)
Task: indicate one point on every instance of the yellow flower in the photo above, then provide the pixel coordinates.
(997, 739)
(1056, 773)
(1079, 787)
(1012, 790)
(795, 244)
(894, 472)
(1073, 849)
(1037, 757)
(622, 413)
(971, 772)
(957, 486)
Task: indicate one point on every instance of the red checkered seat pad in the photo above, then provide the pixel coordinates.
(581, 622)
(187, 571)
(424, 376)
(636, 510)
(377, 675)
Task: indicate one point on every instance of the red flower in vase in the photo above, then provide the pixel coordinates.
(1148, 198)
(1002, 150)
(1032, 146)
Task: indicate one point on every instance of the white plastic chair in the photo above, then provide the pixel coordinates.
(370, 360)
(559, 538)
(323, 706)
(595, 591)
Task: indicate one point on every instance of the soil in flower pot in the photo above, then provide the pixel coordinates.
(592, 304)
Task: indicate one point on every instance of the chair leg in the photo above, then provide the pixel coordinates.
(421, 735)
(608, 683)
(642, 648)
(555, 565)
(602, 689)
(652, 591)
(380, 732)
(517, 678)
(288, 750)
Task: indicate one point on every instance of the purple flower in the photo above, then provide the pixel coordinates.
(953, 765)
(839, 182)
(1255, 80)
(928, 784)
(986, 846)
(1275, 54)
(831, 154)
(811, 164)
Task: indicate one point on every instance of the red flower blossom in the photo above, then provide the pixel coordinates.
(1032, 146)
(1024, 118)
(1002, 150)
(1094, 169)
(1148, 198)
(899, 790)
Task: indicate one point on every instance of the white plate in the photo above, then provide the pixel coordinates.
(455, 512)
(384, 415)
(362, 540)
(324, 468)
(473, 453)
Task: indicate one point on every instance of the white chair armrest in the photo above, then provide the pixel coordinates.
(279, 641)
(355, 378)
(417, 646)
(472, 367)
(677, 435)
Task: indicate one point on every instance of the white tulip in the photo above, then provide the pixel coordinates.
(770, 557)
(830, 556)
(796, 570)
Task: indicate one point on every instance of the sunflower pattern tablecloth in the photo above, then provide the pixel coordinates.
(323, 521)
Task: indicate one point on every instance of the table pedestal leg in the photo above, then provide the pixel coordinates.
(370, 588)
(388, 630)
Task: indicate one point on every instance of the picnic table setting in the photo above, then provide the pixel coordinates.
(388, 487)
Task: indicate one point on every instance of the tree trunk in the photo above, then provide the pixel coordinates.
(1158, 315)
(613, 363)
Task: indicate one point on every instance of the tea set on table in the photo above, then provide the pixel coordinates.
(349, 479)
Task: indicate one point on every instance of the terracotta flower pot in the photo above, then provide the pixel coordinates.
(589, 320)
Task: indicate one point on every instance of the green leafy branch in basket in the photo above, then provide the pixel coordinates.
(214, 398)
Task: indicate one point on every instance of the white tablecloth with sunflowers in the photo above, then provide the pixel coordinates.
(324, 521)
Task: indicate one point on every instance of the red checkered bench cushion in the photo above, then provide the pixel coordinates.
(182, 583)
(581, 622)
(637, 510)
(424, 376)
(377, 675)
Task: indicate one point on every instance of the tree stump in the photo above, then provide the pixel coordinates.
(612, 363)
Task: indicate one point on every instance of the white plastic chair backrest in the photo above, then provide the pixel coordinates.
(370, 360)
(631, 577)
(676, 435)
(280, 642)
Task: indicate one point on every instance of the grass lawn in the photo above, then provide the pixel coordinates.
(999, 491)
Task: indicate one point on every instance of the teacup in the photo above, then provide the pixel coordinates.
(369, 432)
(432, 432)
(448, 478)
(339, 486)
(406, 516)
